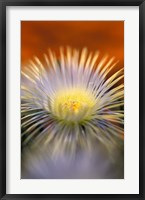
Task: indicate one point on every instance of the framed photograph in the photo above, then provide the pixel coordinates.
(72, 99)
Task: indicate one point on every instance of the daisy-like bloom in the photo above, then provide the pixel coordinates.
(70, 101)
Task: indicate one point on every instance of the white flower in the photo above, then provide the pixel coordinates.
(70, 101)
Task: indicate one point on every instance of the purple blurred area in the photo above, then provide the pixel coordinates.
(94, 165)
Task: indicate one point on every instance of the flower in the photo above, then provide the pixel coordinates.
(69, 102)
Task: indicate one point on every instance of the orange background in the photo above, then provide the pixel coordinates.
(105, 36)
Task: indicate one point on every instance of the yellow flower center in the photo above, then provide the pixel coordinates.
(72, 105)
(75, 104)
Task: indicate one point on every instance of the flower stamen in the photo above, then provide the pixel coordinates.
(73, 104)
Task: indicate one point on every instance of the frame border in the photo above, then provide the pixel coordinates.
(3, 5)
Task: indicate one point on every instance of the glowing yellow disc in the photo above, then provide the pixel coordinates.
(75, 104)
